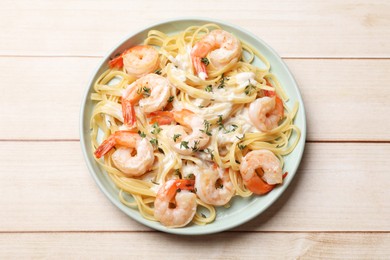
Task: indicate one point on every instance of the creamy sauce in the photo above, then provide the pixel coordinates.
(179, 74)
(245, 78)
(189, 168)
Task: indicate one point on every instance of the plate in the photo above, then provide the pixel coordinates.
(242, 209)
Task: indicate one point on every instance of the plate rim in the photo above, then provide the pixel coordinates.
(202, 230)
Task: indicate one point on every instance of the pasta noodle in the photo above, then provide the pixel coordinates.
(221, 100)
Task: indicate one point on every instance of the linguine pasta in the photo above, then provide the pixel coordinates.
(221, 100)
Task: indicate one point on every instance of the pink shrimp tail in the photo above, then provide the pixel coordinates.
(199, 66)
(128, 113)
(106, 146)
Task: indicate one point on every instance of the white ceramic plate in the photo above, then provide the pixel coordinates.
(242, 209)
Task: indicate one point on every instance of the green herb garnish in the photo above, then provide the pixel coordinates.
(209, 151)
(154, 141)
(176, 136)
(142, 134)
(241, 146)
(184, 144)
(222, 82)
(156, 129)
(206, 129)
(195, 148)
(249, 89)
(205, 61)
(209, 88)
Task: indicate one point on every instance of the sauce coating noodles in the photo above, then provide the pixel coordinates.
(197, 113)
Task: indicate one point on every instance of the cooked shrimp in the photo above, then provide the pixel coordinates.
(266, 112)
(184, 203)
(151, 93)
(221, 48)
(213, 186)
(265, 164)
(123, 159)
(137, 61)
(187, 137)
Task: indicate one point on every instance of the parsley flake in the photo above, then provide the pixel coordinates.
(175, 136)
(249, 89)
(206, 129)
(154, 141)
(184, 144)
(156, 129)
(205, 61)
(241, 146)
(209, 88)
(142, 134)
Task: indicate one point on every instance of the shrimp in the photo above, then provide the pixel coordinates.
(265, 162)
(213, 186)
(179, 137)
(123, 158)
(184, 201)
(266, 112)
(137, 61)
(151, 93)
(221, 48)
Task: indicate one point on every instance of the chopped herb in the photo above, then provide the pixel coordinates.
(156, 129)
(178, 190)
(142, 134)
(219, 122)
(184, 144)
(205, 61)
(170, 99)
(222, 82)
(195, 148)
(195, 189)
(161, 150)
(155, 182)
(190, 176)
(241, 146)
(209, 88)
(177, 172)
(144, 91)
(249, 89)
(158, 72)
(154, 141)
(203, 215)
(206, 128)
(238, 162)
(200, 106)
(176, 136)
(234, 127)
(209, 151)
(240, 138)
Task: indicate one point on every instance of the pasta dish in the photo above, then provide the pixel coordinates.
(183, 123)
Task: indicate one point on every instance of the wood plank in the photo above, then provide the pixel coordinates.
(339, 187)
(341, 104)
(294, 28)
(154, 245)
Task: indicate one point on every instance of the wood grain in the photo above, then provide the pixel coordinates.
(294, 28)
(338, 187)
(344, 99)
(337, 206)
(154, 245)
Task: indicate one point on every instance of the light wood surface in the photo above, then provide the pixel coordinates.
(337, 206)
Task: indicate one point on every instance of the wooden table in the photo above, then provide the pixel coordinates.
(337, 206)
